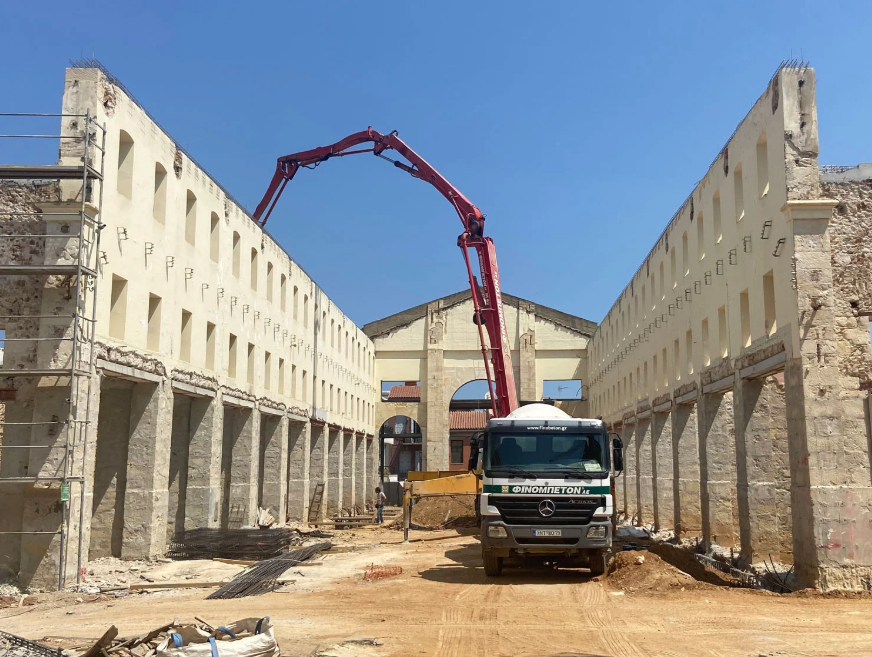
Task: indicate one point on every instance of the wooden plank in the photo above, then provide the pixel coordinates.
(236, 562)
(101, 643)
(315, 504)
(175, 585)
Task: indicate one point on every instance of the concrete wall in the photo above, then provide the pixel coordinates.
(438, 345)
(743, 332)
(196, 431)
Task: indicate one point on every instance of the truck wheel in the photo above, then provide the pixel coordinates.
(597, 563)
(493, 566)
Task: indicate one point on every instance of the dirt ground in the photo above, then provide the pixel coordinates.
(444, 605)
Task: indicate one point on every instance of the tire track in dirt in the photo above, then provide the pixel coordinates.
(463, 642)
(618, 645)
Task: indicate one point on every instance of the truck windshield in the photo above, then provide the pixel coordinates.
(546, 453)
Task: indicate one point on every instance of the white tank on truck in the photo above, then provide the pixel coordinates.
(546, 494)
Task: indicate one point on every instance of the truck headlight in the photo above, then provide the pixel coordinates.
(596, 532)
(496, 531)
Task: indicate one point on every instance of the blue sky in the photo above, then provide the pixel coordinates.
(578, 128)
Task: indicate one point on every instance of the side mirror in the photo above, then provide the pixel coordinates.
(474, 446)
(617, 453)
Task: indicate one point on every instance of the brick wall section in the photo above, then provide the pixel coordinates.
(23, 295)
(851, 238)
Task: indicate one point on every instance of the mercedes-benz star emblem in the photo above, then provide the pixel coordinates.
(546, 508)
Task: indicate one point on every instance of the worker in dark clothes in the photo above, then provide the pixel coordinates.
(380, 499)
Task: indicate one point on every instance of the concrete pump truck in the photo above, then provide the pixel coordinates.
(542, 479)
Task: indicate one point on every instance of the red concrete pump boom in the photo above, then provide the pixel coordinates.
(486, 299)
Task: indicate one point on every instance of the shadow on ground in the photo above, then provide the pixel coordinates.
(468, 569)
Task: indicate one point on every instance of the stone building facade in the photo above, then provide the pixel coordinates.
(736, 363)
(437, 344)
(225, 378)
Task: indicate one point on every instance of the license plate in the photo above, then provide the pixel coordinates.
(547, 532)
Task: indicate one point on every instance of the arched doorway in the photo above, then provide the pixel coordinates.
(468, 412)
(401, 439)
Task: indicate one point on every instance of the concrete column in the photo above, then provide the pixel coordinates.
(644, 473)
(436, 438)
(763, 467)
(372, 473)
(718, 450)
(527, 343)
(146, 495)
(360, 471)
(272, 464)
(239, 466)
(203, 495)
(299, 492)
(662, 452)
(631, 491)
(686, 470)
(348, 470)
(333, 492)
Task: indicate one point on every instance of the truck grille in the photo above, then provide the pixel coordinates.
(543, 540)
(517, 510)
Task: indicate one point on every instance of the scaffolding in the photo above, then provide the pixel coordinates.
(54, 346)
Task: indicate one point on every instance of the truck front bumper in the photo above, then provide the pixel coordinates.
(520, 539)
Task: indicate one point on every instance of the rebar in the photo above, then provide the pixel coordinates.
(30, 648)
(263, 576)
(210, 543)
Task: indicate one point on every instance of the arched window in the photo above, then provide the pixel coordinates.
(254, 269)
(190, 218)
(269, 281)
(283, 292)
(296, 292)
(214, 237)
(237, 253)
(739, 191)
(716, 217)
(125, 164)
(762, 167)
(685, 261)
(159, 208)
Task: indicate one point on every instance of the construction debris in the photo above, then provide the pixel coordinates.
(264, 518)
(154, 586)
(263, 577)
(249, 637)
(439, 513)
(254, 544)
(15, 646)
(374, 572)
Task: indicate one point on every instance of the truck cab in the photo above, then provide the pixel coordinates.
(546, 490)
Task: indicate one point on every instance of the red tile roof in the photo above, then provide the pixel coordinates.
(468, 420)
(405, 393)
